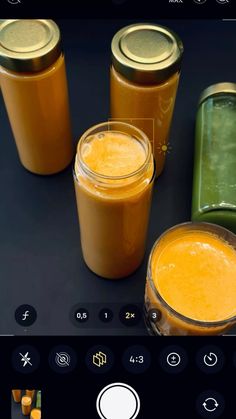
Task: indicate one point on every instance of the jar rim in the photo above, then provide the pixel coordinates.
(216, 90)
(200, 323)
(91, 172)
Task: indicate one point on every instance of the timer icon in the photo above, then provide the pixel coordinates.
(210, 360)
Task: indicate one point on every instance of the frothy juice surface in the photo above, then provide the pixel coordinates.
(195, 273)
(113, 154)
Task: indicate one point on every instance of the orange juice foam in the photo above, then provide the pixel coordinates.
(113, 154)
(195, 273)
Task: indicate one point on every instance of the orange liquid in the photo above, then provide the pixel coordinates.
(38, 110)
(195, 274)
(113, 218)
(26, 405)
(35, 414)
(16, 394)
(113, 154)
(150, 108)
(30, 393)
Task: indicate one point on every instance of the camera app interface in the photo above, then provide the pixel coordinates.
(118, 208)
(117, 177)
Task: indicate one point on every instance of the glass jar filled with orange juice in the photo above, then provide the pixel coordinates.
(146, 62)
(34, 87)
(191, 281)
(113, 173)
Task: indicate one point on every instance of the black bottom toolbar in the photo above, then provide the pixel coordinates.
(114, 377)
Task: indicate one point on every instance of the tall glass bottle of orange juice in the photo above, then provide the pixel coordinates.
(146, 63)
(34, 87)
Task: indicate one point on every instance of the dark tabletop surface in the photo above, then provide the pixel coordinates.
(40, 255)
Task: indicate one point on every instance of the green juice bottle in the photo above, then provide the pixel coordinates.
(214, 177)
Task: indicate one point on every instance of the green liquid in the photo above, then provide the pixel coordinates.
(214, 186)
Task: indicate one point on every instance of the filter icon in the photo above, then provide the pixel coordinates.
(99, 359)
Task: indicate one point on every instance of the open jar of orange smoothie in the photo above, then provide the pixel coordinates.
(113, 173)
(191, 281)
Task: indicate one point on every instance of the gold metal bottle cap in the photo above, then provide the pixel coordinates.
(29, 45)
(217, 89)
(146, 53)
